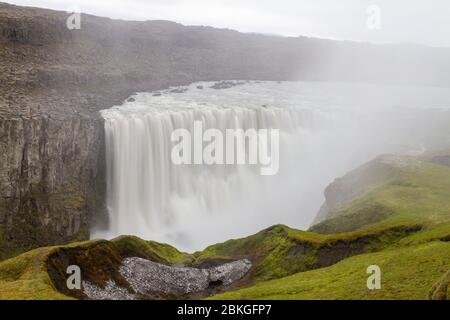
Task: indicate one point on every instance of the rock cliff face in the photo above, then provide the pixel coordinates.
(49, 170)
(53, 82)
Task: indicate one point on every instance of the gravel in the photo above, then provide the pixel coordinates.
(146, 277)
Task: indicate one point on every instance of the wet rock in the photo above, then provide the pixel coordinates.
(226, 84)
(146, 276)
(111, 292)
(149, 279)
(179, 90)
(48, 172)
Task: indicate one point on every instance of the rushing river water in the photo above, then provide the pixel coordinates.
(326, 129)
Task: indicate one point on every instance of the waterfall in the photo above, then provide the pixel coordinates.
(192, 206)
(148, 194)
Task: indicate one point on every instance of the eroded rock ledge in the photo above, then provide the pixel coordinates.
(53, 82)
(147, 278)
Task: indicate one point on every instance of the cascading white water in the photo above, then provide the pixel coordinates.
(148, 194)
(192, 206)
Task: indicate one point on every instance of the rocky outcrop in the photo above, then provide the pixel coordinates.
(147, 278)
(48, 179)
(131, 268)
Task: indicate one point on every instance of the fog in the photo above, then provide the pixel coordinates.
(326, 130)
(355, 102)
(415, 21)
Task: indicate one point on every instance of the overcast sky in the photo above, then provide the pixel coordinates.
(417, 21)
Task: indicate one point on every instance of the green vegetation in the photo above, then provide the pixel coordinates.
(41, 273)
(407, 273)
(281, 251)
(413, 197)
(25, 277)
(8, 249)
(151, 250)
(401, 223)
(441, 290)
(410, 195)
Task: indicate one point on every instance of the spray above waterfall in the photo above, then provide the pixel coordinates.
(322, 131)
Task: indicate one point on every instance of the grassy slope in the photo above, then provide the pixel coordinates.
(26, 276)
(281, 251)
(413, 196)
(441, 289)
(299, 261)
(406, 273)
(8, 250)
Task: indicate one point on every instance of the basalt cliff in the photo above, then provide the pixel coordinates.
(53, 82)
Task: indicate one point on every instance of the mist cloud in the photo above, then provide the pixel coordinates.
(417, 21)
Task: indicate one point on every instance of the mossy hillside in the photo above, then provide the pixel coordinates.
(41, 273)
(415, 199)
(410, 196)
(406, 273)
(280, 251)
(25, 277)
(8, 249)
(441, 290)
(152, 250)
(100, 260)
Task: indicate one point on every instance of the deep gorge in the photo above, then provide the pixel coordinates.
(52, 87)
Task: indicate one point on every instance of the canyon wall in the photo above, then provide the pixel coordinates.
(50, 180)
(53, 82)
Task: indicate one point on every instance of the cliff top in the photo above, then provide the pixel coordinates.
(47, 69)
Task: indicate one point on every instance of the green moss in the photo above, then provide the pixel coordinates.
(439, 232)
(414, 196)
(8, 249)
(70, 197)
(407, 216)
(402, 225)
(25, 277)
(276, 252)
(41, 273)
(151, 250)
(267, 250)
(280, 251)
(406, 273)
(441, 289)
(367, 214)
